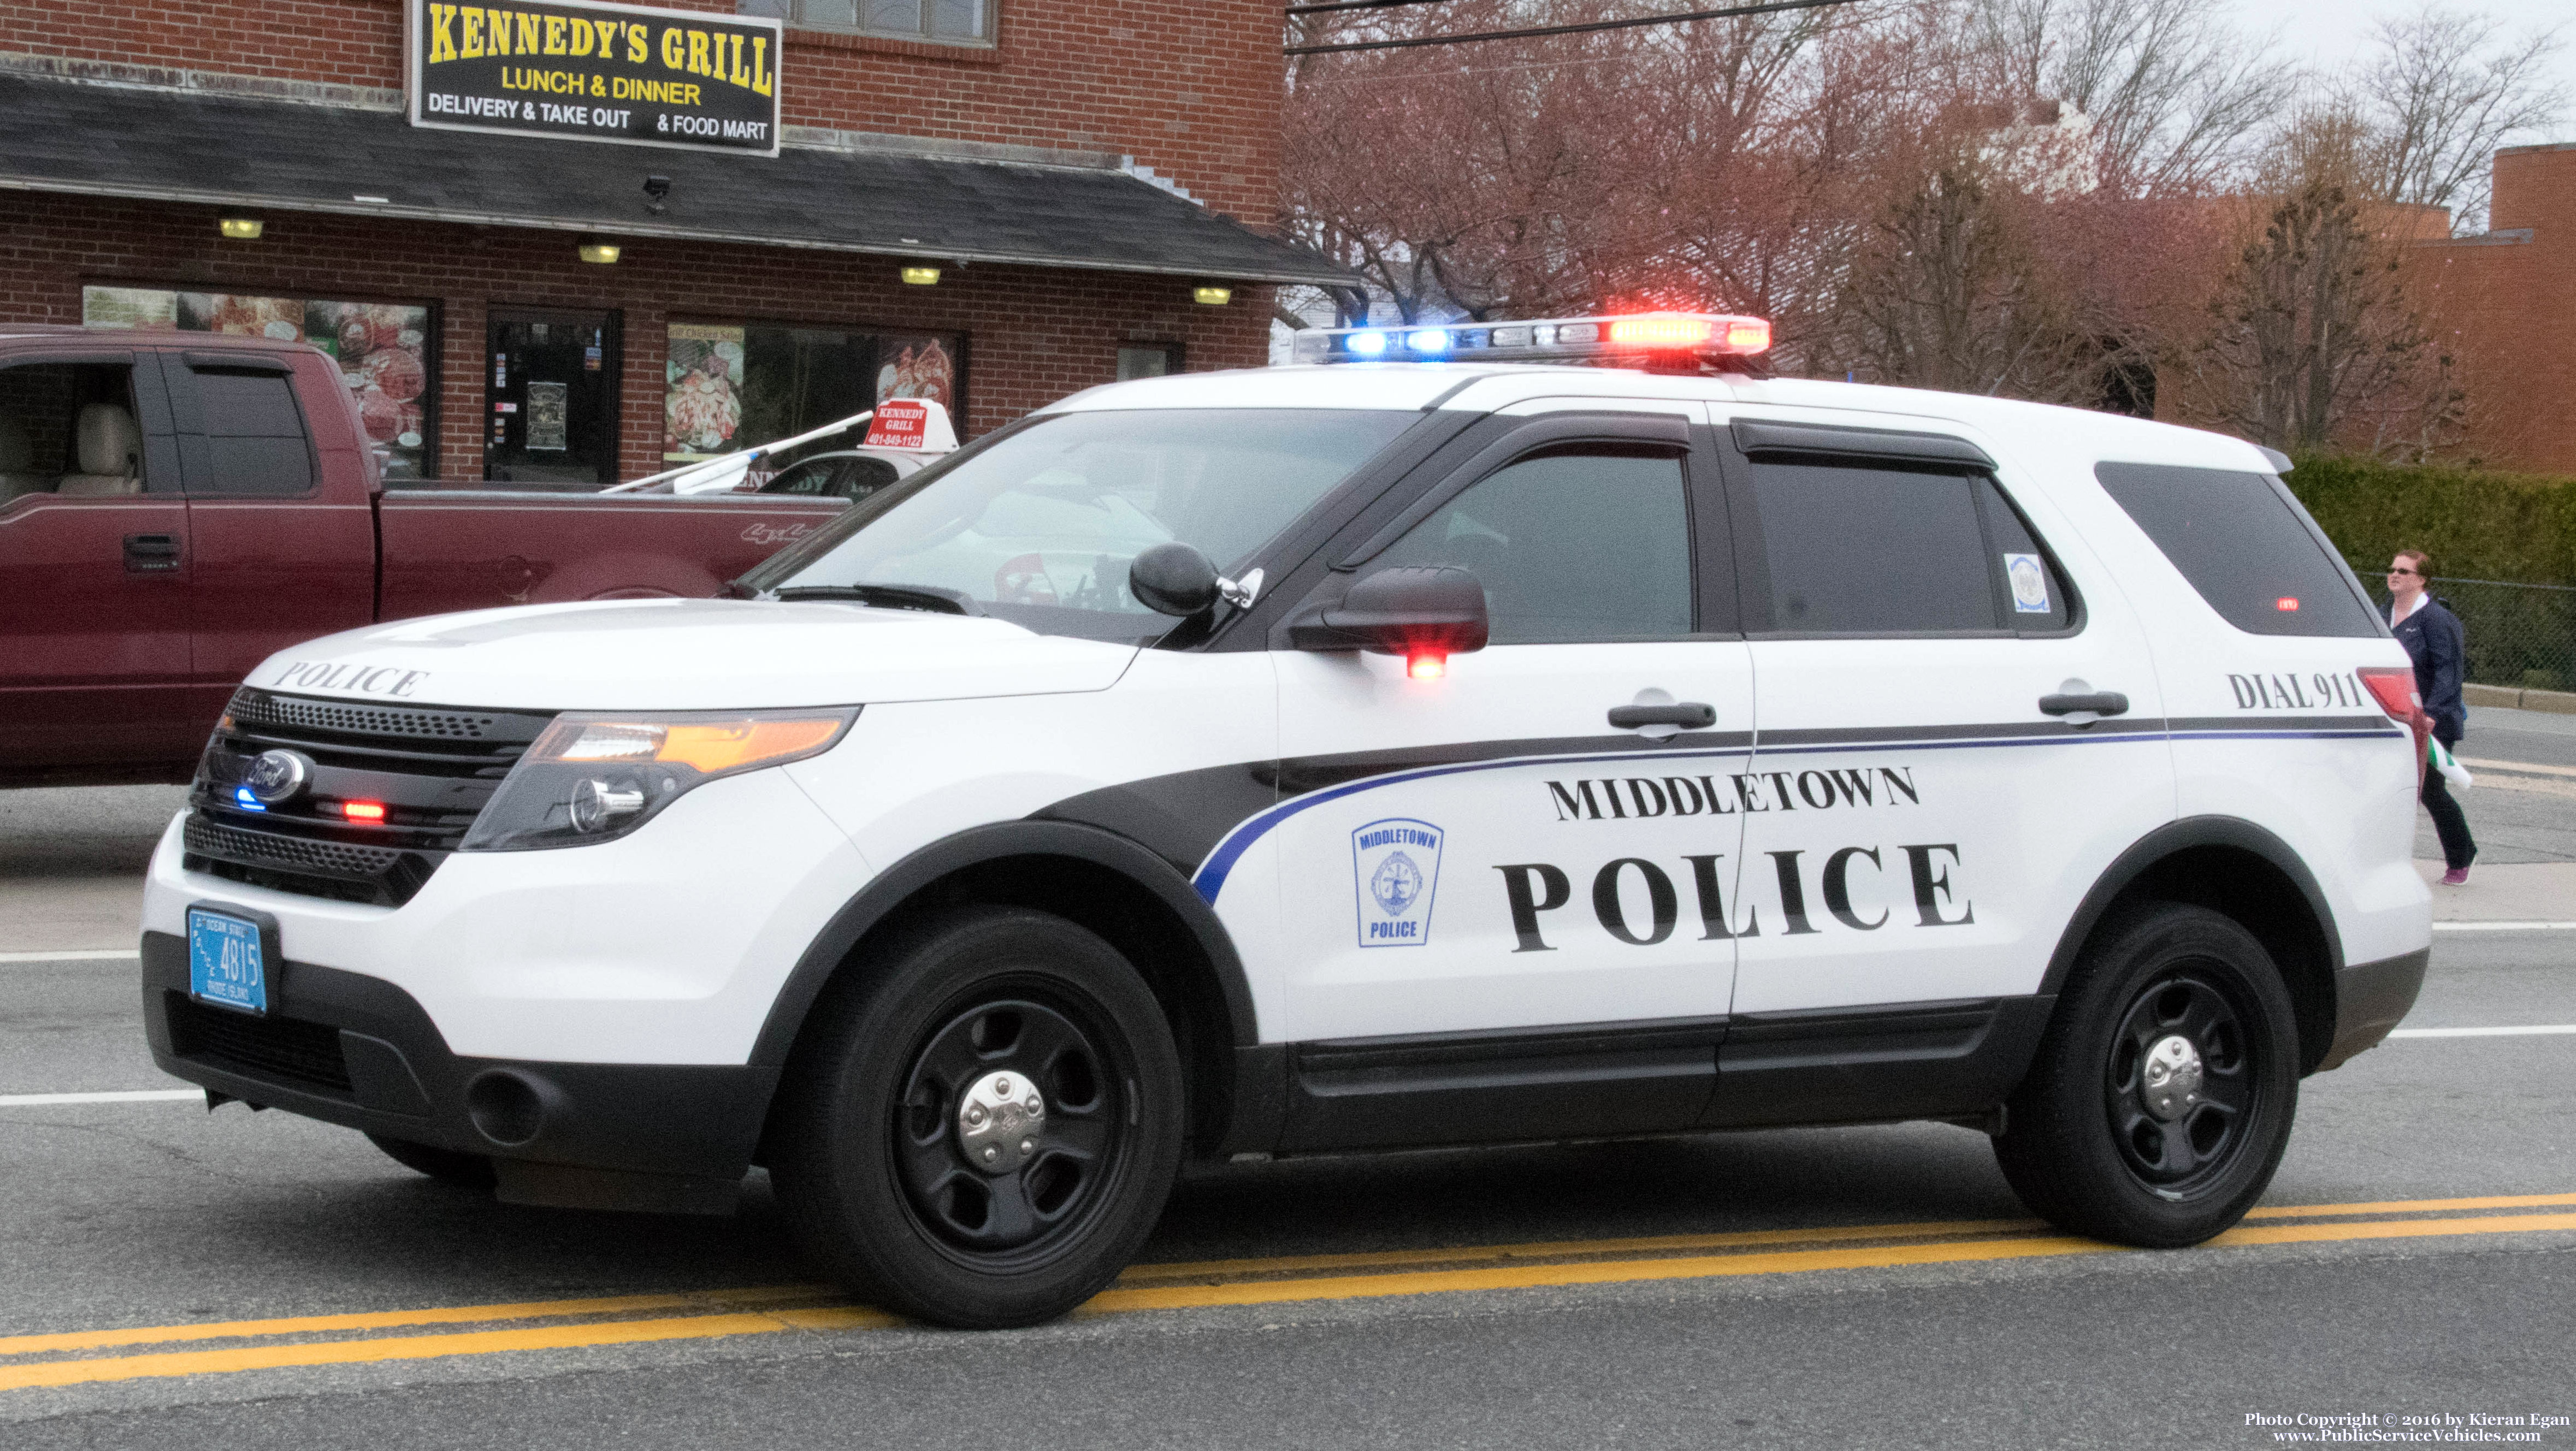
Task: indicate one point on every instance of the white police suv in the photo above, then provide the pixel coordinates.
(1369, 754)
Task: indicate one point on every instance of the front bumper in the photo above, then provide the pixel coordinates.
(358, 1051)
(2370, 999)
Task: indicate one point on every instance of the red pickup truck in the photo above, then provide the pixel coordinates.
(176, 506)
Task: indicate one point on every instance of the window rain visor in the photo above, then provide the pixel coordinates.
(1039, 525)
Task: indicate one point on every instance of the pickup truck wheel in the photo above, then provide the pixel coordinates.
(447, 1166)
(981, 1131)
(2161, 1099)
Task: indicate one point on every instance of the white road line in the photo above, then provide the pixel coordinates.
(131, 1095)
(2504, 926)
(74, 954)
(2533, 1030)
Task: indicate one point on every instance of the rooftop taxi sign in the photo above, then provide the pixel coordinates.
(596, 72)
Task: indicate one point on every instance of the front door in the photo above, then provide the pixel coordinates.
(551, 414)
(1490, 850)
(94, 564)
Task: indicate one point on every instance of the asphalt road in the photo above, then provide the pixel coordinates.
(157, 1214)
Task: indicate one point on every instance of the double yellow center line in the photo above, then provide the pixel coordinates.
(67, 1359)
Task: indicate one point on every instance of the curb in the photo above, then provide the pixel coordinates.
(2557, 702)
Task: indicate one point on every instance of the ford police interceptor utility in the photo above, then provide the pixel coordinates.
(1377, 753)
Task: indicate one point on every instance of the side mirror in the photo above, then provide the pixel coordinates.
(1425, 614)
(1173, 579)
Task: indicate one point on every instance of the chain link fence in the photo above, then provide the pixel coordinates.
(2522, 636)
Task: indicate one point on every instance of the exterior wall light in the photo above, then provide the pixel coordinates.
(921, 276)
(1212, 296)
(603, 253)
(240, 229)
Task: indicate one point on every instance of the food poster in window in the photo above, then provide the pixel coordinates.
(232, 312)
(382, 349)
(703, 392)
(383, 352)
(916, 367)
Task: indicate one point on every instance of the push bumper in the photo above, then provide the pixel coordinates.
(2370, 999)
(358, 1051)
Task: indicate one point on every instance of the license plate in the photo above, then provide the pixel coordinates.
(227, 962)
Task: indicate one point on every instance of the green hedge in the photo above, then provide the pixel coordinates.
(2477, 524)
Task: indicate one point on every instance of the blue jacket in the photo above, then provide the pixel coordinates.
(2433, 638)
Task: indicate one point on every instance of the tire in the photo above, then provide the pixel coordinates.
(2090, 1141)
(901, 1167)
(447, 1166)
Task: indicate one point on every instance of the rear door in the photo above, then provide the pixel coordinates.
(1482, 874)
(1924, 808)
(284, 547)
(95, 569)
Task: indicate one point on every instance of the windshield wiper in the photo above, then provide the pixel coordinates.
(928, 598)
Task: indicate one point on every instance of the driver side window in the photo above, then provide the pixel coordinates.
(1582, 544)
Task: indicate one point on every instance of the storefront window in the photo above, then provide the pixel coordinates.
(731, 386)
(963, 22)
(384, 350)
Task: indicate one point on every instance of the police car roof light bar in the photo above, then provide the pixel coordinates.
(1658, 341)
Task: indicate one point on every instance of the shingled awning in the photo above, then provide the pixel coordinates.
(883, 198)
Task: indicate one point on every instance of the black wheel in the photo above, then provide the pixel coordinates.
(2162, 1097)
(447, 1166)
(981, 1129)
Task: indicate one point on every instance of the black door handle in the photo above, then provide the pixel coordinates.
(151, 553)
(1688, 714)
(2100, 702)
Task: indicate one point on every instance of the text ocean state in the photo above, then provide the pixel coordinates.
(597, 72)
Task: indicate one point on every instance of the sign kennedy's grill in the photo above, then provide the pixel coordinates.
(596, 72)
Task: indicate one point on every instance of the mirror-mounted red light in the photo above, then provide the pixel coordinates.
(1426, 664)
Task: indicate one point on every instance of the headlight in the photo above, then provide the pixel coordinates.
(595, 777)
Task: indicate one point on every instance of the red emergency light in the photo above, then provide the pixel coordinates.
(371, 813)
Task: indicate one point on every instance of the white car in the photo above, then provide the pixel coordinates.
(1337, 757)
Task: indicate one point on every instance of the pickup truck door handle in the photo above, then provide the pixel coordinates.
(151, 553)
(1688, 714)
(2099, 702)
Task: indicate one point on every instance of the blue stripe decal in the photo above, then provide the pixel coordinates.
(1211, 875)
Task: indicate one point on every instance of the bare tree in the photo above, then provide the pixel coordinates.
(2177, 97)
(2441, 91)
(2312, 333)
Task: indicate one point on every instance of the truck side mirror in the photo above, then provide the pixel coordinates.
(1425, 614)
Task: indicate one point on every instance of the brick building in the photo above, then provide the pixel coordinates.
(1084, 181)
(2504, 304)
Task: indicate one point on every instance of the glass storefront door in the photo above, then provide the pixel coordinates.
(551, 403)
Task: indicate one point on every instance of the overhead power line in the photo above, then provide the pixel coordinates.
(1332, 5)
(1535, 32)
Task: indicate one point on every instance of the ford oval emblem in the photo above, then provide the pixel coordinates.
(276, 776)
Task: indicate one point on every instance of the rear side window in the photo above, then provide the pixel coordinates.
(1873, 551)
(254, 436)
(2245, 545)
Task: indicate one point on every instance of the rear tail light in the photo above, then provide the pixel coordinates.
(2394, 688)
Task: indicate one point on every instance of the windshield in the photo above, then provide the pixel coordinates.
(1039, 526)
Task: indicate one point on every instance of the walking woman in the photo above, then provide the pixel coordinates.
(2433, 638)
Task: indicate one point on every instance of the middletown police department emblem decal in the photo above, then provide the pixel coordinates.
(1396, 866)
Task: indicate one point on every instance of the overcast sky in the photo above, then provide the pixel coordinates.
(2327, 33)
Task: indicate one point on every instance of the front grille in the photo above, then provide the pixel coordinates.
(294, 853)
(259, 708)
(306, 1055)
(432, 769)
